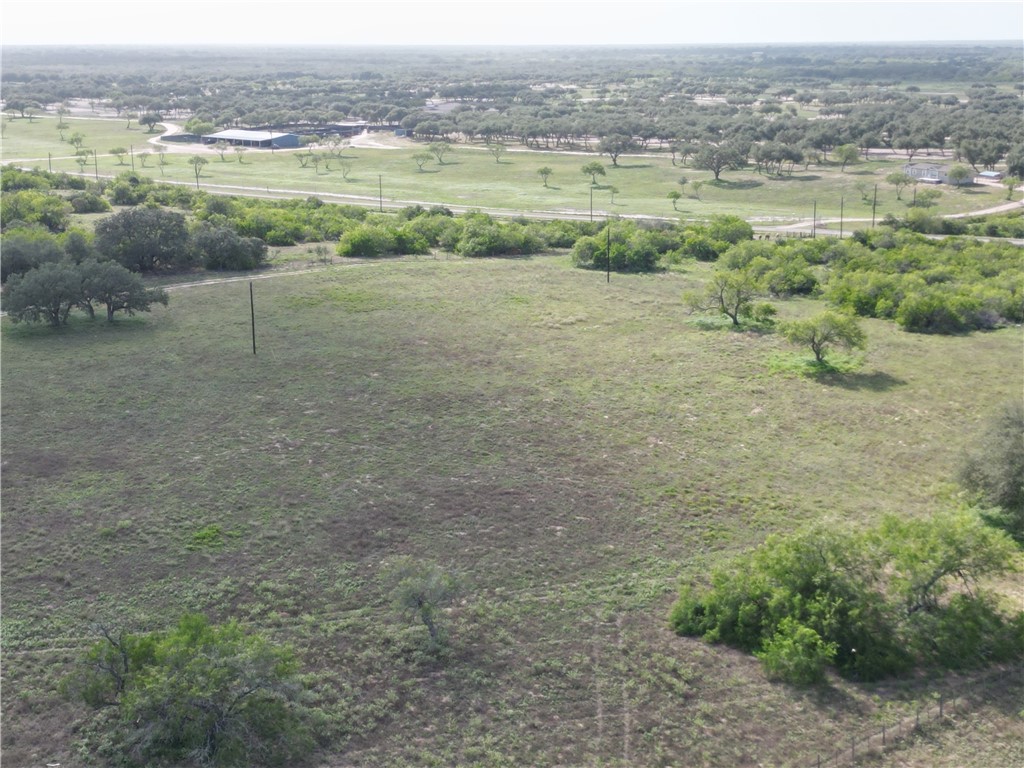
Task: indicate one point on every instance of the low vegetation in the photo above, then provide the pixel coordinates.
(446, 410)
(197, 693)
(440, 517)
(873, 604)
(992, 468)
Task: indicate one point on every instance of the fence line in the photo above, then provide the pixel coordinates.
(879, 741)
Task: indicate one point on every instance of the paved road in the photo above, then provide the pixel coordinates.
(369, 201)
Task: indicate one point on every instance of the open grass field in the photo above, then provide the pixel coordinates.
(575, 448)
(471, 178)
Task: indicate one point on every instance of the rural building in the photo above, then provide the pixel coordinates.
(990, 176)
(260, 139)
(929, 173)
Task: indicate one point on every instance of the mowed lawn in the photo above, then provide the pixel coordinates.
(470, 177)
(574, 447)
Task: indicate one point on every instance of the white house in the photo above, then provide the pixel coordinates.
(928, 173)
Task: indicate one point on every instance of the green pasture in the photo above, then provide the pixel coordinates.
(470, 177)
(574, 447)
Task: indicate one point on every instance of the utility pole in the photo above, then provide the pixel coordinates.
(380, 191)
(591, 202)
(840, 218)
(814, 220)
(874, 202)
(252, 313)
(608, 233)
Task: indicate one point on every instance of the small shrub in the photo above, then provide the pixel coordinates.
(208, 537)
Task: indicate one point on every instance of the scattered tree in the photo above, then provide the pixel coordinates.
(716, 158)
(958, 174)
(150, 120)
(927, 557)
(497, 149)
(439, 149)
(545, 174)
(200, 694)
(422, 589)
(197, 162)
(421, 159)
(614, 145)
(674, 196)
(900, 180)
(119, 153)
(729, 292)
(846, 154)
(593, 169)
(824, 331)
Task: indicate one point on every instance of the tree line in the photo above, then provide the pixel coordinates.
(890, 272)
(678, 101)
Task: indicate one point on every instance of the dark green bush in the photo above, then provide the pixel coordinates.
(992, 468)
(86, 202)
(872, 604)
(796, 654)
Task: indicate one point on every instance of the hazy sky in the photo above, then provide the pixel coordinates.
(503, 22)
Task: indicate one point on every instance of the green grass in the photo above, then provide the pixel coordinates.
(574, 447)
(470, 177)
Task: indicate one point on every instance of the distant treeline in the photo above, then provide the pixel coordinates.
(670, 99)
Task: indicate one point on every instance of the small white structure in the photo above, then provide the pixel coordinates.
(928, 173)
